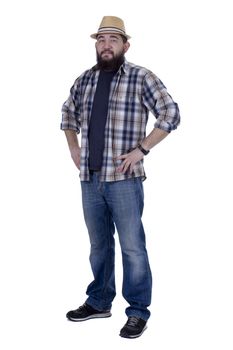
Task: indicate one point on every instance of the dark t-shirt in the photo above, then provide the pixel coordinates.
(98, 120)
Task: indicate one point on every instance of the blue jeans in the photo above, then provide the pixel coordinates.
(120, 204)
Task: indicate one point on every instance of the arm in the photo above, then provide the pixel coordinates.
(130, 159)
(71, 124)
(154, 138)
(74, 147)
(157, 100)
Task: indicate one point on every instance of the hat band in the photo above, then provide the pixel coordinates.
(111, 29)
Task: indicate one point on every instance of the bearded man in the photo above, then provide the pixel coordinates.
(110, 104)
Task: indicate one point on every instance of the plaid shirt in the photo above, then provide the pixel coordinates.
(135, 91)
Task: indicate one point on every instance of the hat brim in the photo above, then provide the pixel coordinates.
(94, 36)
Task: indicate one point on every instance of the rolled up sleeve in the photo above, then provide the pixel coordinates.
(70, 111)
(158, 101)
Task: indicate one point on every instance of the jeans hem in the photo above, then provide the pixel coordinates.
(139, 314)
(97, 306)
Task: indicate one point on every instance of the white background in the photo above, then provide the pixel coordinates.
(44, 245)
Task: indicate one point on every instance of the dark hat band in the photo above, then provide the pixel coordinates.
(111, 29)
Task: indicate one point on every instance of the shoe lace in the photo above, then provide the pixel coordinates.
(132, 321)
(82, 307)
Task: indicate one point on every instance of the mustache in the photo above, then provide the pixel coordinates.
(106, 51)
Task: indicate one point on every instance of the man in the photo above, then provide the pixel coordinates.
(110, 104)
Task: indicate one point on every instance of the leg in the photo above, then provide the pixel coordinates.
(101, 291)
(126, 201)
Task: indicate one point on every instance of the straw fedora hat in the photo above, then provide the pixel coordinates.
(111, 25)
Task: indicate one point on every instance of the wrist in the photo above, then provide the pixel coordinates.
(142, 149)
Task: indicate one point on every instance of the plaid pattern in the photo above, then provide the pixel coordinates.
(135, 91)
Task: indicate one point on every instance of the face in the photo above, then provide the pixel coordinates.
(110, 49)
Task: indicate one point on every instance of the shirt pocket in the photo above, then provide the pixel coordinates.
(127, 96)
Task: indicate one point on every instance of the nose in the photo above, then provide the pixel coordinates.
(107, 44)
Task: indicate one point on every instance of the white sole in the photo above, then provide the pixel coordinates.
(90, 317)
(135, 336)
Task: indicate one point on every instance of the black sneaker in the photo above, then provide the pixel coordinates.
(86, 312)
(133, 328)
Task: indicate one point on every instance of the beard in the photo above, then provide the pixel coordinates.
(112, 64)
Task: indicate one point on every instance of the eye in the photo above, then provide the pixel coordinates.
(100, 40)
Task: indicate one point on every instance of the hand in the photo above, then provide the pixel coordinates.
(76, 155)
(129, 161)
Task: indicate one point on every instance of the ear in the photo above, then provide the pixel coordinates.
(126, 46)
